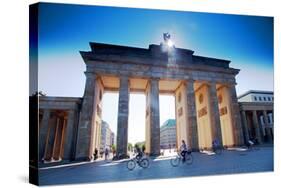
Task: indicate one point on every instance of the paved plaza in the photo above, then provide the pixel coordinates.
(229, 162)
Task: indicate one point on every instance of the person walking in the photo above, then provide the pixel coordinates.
(95, 154)
(106, 152)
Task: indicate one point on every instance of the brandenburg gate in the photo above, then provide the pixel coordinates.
(205, 100)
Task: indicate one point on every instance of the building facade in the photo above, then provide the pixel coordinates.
(112, 139)
(204, 88)
(168, 137)
(256, 108)
(58, 124)
(107, 137)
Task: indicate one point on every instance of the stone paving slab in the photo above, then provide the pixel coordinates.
(229, 162)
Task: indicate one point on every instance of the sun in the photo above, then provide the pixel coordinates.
(170, 43)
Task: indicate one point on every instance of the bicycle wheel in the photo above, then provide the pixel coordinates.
(131, 164)
(218, 150)
(175, 161)
(144, 163)
(188, 158)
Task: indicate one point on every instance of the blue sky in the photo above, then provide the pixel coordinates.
(64, 30)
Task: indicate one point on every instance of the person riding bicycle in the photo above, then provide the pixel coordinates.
(250, 143)
(183, 149)
(215, 144)
(139, 153)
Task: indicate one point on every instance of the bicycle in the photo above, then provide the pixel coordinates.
(142, 162)
(251, 145)
(179, 158)
(217, 150)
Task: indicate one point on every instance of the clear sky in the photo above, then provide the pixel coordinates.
(64, 30)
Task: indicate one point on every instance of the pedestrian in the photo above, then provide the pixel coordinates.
(95, 154)
(106, 153)
(170, 148)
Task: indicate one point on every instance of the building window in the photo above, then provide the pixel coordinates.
(264, 98)
(260, 99)
(268, 98)
(255, 98)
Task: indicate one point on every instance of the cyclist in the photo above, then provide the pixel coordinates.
(215, 144)
(250, 143)
(183, 149)
(139, 153)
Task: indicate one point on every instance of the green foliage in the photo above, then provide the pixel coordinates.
(141, 145)
(130, 146)
(113, 147)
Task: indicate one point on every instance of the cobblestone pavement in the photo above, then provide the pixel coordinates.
(233, 161)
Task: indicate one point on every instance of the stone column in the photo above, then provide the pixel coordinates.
(245, 126)
(69, 142)
(154, 117)
(123, 115)
(235, 116)
(214, 112)
(58, 139)
(43, 133)
(84, 148)
(192, 131)
(51, 138)
(62, 139)
(257, 126)
(267, 128)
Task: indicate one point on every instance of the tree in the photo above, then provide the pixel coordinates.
(130, 146)
(140, 145)
(113, 148)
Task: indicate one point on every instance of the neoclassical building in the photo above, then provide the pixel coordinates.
(106, 137)
(204, 88)
(168, 132)
(257, 115)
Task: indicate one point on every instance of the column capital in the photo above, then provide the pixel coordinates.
(230, 84)
(154, 79)
(90, 74)
(71, 112)
(211, 83)
(124, 78)
(189, 80)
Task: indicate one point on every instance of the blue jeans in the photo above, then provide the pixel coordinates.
(183, 154)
